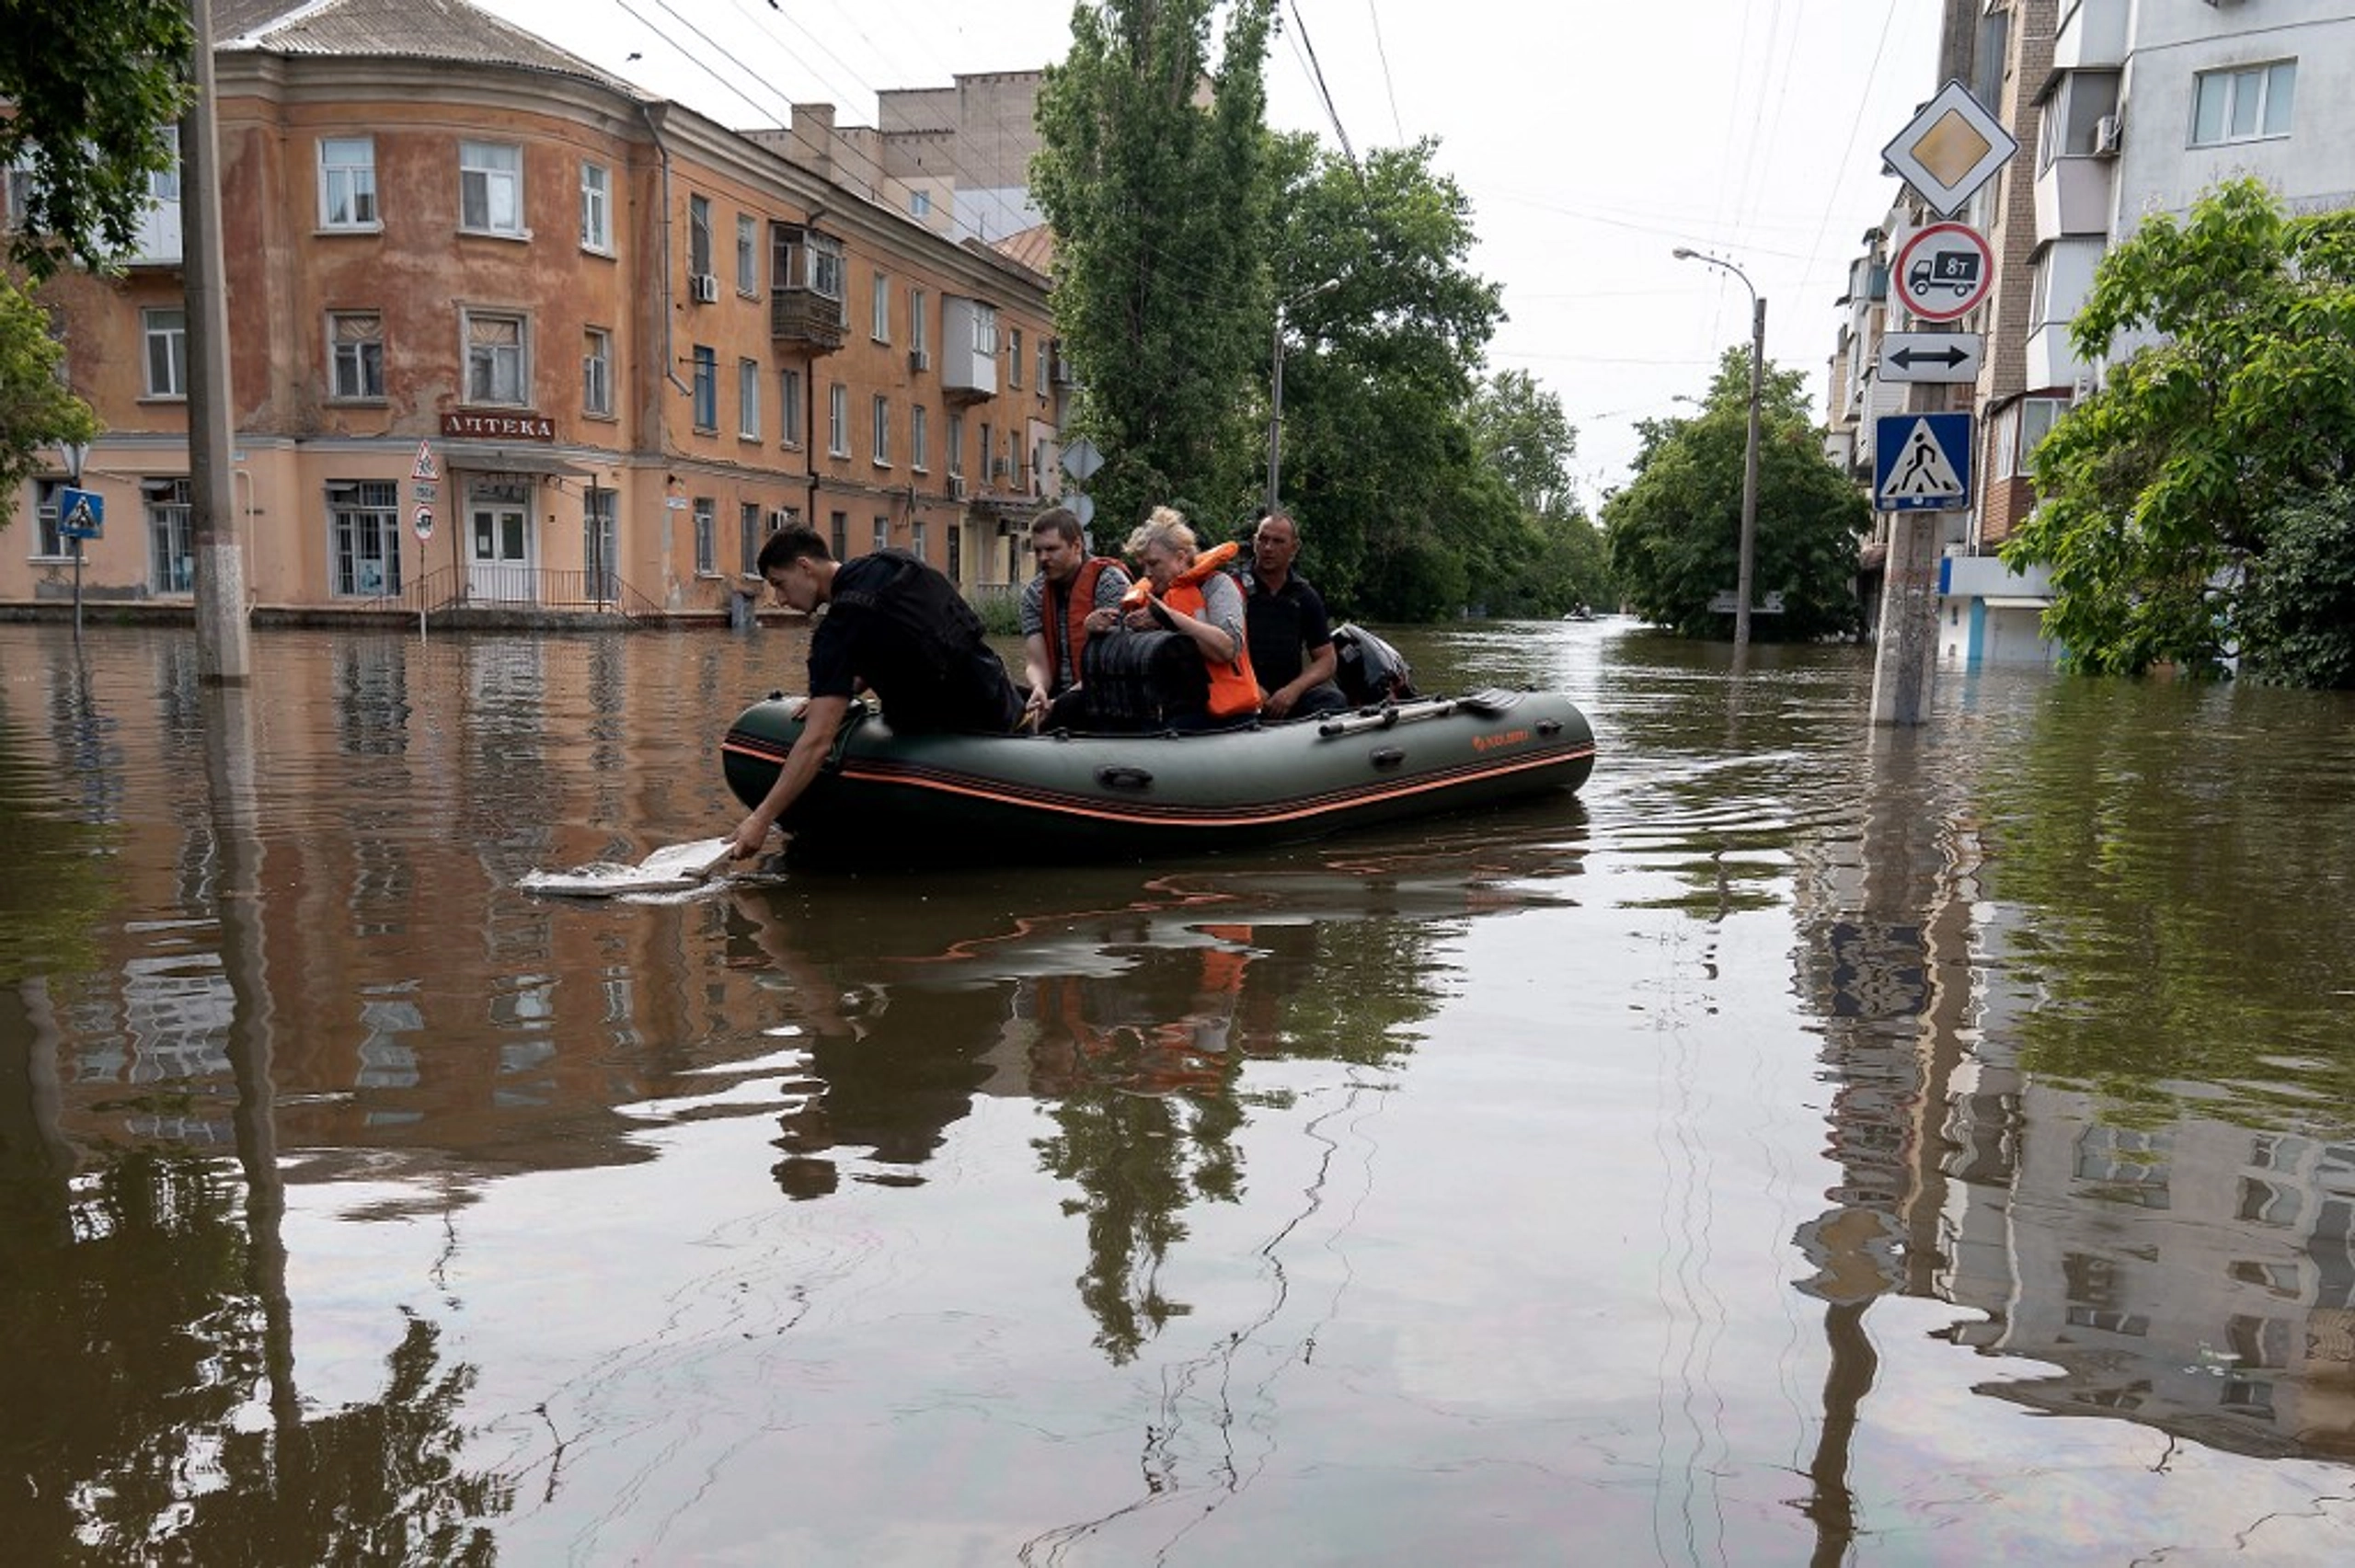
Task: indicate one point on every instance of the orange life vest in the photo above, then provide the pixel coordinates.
(1235, 690)
(1073, 623)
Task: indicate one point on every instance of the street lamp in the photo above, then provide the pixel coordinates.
(1750, 451)
(1276, 385)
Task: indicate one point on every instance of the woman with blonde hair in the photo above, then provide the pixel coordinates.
(1189, 596)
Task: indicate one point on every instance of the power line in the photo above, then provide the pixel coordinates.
(1389, 88)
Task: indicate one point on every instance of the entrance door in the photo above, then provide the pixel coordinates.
(500, 542)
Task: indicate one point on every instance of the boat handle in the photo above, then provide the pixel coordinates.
(1124, 778)
(1387, 757)
(1549, 727)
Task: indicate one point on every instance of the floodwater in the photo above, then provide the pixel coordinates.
(1799, 1148)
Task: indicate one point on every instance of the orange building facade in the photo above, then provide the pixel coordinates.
(507, 335)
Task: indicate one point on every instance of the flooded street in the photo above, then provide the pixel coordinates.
(1799, 1147)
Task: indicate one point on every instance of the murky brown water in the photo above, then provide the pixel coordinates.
(1795, 1148)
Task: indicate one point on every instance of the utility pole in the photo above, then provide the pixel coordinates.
(1745, 571)
(223, 652)
(1276, 387)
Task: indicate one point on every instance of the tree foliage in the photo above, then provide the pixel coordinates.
(1402, 516)
(1674, 532)
(1153, 172)
(2161, 493)
(96, 90)
(2297, 620)
(1521, 435)
(36, 409)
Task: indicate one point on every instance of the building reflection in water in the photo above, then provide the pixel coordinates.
(2165, 1252)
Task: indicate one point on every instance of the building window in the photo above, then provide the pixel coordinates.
(597, 372)
(882, 532)
(956, 443)
(699, 236)
(706, 545)
(919, 438)
(883, 431)
(596, 208)
(919, 203)
(956, 566)
(917, 531)
(491, 188)
(748, 538)
(2245, 104)
(879, 326)
(838, 420)
(356, 354)
(171, 565)
(2037, 416)
(1014, 357)
(984, 330)
(364, 537)
(748, 254)
(826, 267)
(789, 406)
(599, 542)
(706, 388)
(49, 544)
(748, 399)
(919, 339)
(839, 535)
(1040, 381)
(497, 370)
(167, 336)
(347, 182)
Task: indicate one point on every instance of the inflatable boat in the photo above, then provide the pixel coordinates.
(885, 798)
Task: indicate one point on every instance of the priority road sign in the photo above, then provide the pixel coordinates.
(1922, 462)
(81, 514)
(1930, 356)
(1943, 271)
(1951, 149)
(1081, 459)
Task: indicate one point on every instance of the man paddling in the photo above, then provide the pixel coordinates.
(892, 624)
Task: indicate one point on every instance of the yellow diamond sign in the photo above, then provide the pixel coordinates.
(1951, 149)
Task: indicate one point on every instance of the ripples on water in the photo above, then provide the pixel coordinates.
(1730, 1164)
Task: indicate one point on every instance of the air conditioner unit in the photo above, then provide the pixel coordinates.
(919, 359)
(1063, 374)
(956, 487)
(2106, 134)
(705, 288)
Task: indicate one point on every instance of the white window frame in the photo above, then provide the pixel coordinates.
(748, 399)
(49, 544)
(882, 532)
(354, 374)
(363, 515)
(984, 329)
(165, 331)
(881, 420)
(919, 203)
(2269, 80)
(707, 389)
(707, 515)
(748, 256)
(483, 360)
(789, 406)
(919, 438)
(597, 373)
(597, 208)
(919, 337)
(826, 267)
(490, 189)
(879, 326)
(956, 443)
(699, 235)
(348, 180)
(837, 420)
(1014, 358)
(2046, 412)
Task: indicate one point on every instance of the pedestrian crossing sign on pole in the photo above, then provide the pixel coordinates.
(1922, 462)
(81, 514)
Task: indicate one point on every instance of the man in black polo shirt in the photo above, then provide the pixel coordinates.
(894, 624)
(1285, 622)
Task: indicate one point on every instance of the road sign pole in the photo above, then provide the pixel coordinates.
(77, 587)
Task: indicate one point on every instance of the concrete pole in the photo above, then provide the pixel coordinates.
(1276, 410)
(223, 653)
(1747, 571)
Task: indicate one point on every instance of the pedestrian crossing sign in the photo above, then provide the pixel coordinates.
(81, 514)
(1922, 462)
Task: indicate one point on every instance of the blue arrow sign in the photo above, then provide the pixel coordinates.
(1922, 462)
(81, 514)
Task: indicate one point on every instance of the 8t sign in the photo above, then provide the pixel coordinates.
(1943, 271)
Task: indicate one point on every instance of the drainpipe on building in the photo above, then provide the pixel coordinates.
(670, 360)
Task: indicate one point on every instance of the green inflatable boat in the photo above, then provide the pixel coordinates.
(931, 798)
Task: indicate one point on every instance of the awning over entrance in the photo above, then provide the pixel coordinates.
(2018, 603)
(481, 457)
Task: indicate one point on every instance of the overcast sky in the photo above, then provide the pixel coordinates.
(1592, 138)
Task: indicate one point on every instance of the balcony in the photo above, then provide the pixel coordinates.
(2073, 196)
(803, 318)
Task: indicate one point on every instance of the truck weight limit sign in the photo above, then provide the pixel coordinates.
(1942, 271)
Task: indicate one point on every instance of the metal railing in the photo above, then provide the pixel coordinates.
(524, 589)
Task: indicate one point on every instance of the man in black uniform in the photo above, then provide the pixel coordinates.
(894, 624)
(1285, 622)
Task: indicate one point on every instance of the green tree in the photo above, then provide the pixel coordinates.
(36, 409)
(1401, 514)
(2160, 493)
(96, 90)
(1674, 532)
(1158, 194)
(2298, 616)
(1524, 437)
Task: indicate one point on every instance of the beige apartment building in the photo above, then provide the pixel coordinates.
(509, 335)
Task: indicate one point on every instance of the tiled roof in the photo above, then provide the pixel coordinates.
(401, 30)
